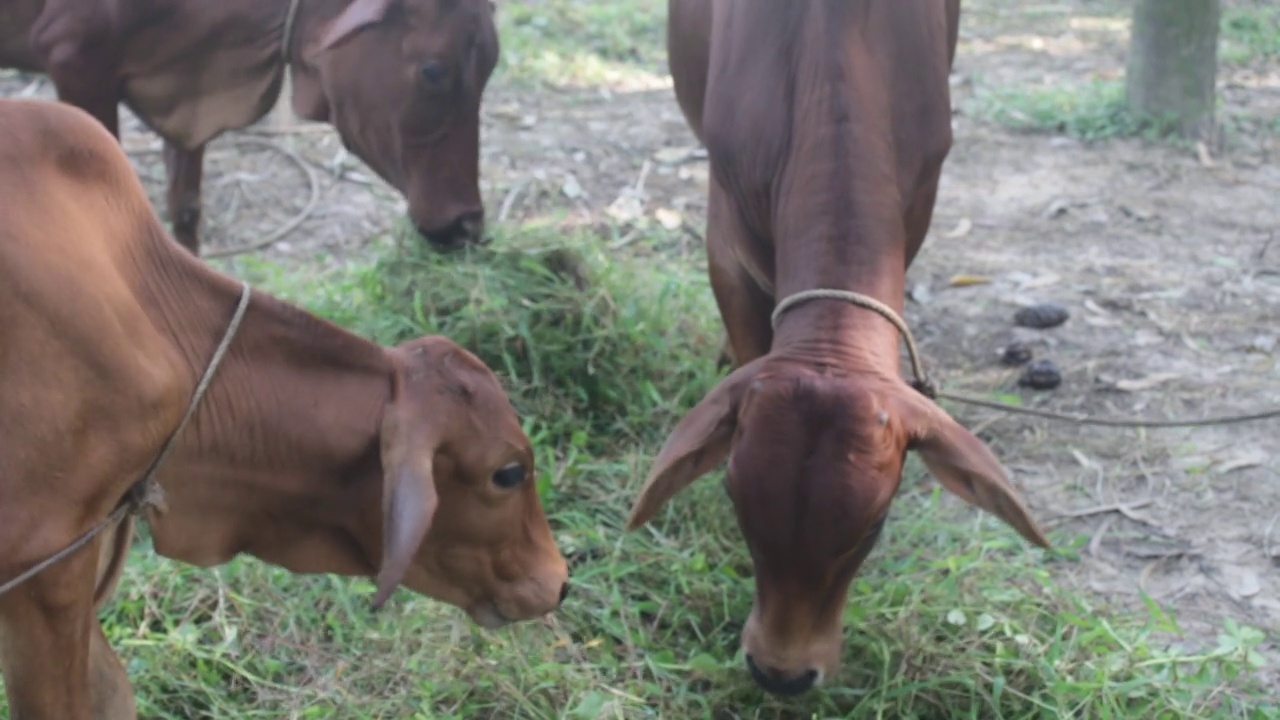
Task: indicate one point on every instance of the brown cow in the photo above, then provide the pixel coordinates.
(826, 124)
(401, 80)
(313, 449)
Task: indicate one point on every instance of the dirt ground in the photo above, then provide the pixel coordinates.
(1169, 262)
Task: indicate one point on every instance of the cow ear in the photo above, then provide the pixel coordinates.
(409, 498)
(698, 443)
(357, 15)
(965, 465)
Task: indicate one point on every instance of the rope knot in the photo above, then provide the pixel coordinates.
(925, 387)
(921, 382)
(144, 495)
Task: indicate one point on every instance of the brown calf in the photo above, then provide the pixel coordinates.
(313, 448)
(401, 80)
(826, 123)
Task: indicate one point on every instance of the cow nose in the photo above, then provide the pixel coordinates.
(564, 593)
(777, 682)
(466, 229)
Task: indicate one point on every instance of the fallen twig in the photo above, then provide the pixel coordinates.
(508, 203)
(1122, 508)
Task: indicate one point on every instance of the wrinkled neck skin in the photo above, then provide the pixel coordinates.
(281, 459)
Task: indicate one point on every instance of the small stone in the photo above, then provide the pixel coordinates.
(1015, 353)
(1042, 315)
(1042, 374)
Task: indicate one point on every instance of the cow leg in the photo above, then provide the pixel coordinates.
(744, 307)
(111, 694)
(688, 56)
(46, 629)
(185, 169)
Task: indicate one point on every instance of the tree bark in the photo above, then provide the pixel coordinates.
(1173, 63)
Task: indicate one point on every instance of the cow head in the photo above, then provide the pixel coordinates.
(461, 519)
(401, 80)
(815, 457)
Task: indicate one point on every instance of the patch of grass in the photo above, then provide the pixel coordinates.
(952, 616)
(1249, 33)
(1089, 111)
(594, 352)
(583, 42)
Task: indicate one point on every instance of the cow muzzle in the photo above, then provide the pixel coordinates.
(467, 229)
(789, 662)
(780, 682)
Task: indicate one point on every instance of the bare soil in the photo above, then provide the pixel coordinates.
(1167, 258)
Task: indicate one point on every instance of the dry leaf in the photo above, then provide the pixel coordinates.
(1202, 152)
(964, 280)
(1092, 306)
(1101, 321)
(1147, 382)
(961, 229)
(668, 218)
(627, 208)
(677, 155)
(1241, 581)
(1039, 281)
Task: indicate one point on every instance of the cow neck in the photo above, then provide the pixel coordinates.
(287, 432)
(841, 242)
(836, 218)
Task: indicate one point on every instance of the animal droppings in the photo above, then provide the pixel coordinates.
(1041, 315)
(1015, 354)
(1043, 374)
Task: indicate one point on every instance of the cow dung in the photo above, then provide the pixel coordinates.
(1041, 315)
(1042, 374)
(1015, 353)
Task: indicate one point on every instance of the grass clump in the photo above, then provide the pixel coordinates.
(1249, 33)
(1089, 111)
(595, 352)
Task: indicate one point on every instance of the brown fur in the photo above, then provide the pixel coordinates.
(826, 124)
(192, 69)
(313, 449)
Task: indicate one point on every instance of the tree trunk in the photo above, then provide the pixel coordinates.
(1173, 63)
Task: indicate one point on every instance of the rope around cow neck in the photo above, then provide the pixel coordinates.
(290, 19)
(926, 387)
(146, 492)
(917, 368)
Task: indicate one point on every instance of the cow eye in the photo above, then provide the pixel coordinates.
(434, 73)
(509, 476)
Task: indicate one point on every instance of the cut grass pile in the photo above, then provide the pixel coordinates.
(951, 617)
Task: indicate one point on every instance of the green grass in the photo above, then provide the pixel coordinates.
(1249, 33)
(1094, 110)
(951, 618)
(582, 42)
